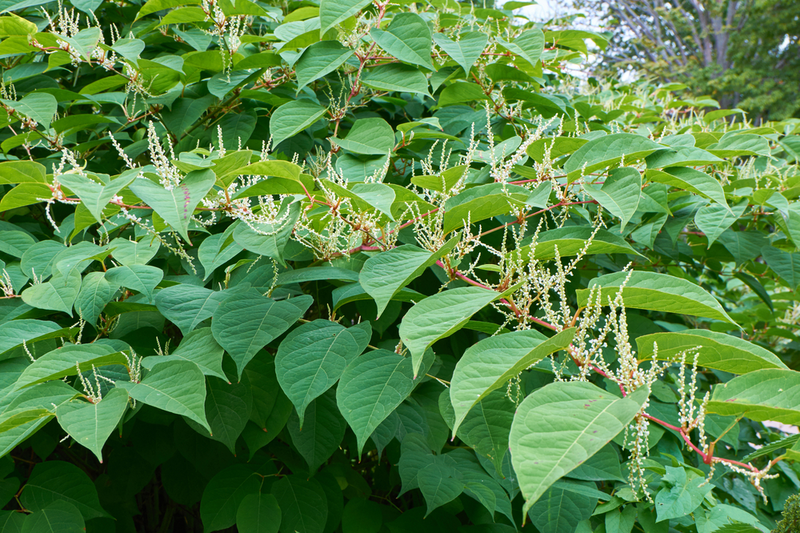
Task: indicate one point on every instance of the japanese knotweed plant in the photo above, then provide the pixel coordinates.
(349, 266)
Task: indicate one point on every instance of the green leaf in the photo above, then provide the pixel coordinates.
(93, 296)
(439, 316)
(656, 292)
(24, 194)
(384, 274)
(94, 195)
(466, 50)
(39, 106)
(683, 496)
(15, 243)
(461, 92)
(140, 278)
(408, 38)
(769, 394)
(487, 425)
(682, 156)
(719, 351)
(370, 136)
(321, 433)
(176, 205)
(320, 59)
(212, 257)
(292, 118)
(224, 494)
(786, 265)
(691, 180)
(304, 506)
(134, 252)
(529, 45)
(608, 151)
(58, 481)
(90, 424)
(173, 386)
(13, 172)
(187, 306)
(619, 194)
(57, 517)
(58, 294)
(397, 77)
(227, 410)
(571, 240)
(311, 359)
(62, 362)
(258, 513)
(13, 333)
(439, 483)
(482, 202)
(151, 6)
(561, 425)
(491, 362)
(371, 388)
(714, 219)
(560, 510)
(198, 347)
(333, 12)
(245, 322)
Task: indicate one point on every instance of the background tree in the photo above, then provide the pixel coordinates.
(743, 53)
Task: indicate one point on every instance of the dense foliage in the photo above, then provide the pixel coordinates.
(366, 267)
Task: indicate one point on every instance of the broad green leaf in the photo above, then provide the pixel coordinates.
(174, 386)
(397, 77)
(258, 513)
(134, 252)
(292, 118)
(719, 351)
(482, 202)
(58, 294)
(57, 517)
(466, 50)
(739, 145)
(691, 180)
(439, 316)
(176, 205)
(93, 296)
(90, 424)
(608, 151)
(560, 510)
(684, 495)
(311, 359)
(371, 388)
(14, 332)
(59, 481)
(561, 425)
(682, 156)
(769, 394)
(224, 494)
(715, 218)
(187, 306)
(743, 245)
(487, 426)
(139, 278)
(555, 147)
(198, 347)
(656, 292)
(570, 241)
(13, 172)
(38, 106)
(529, 45)
(461, 92)
(362, 516)
(320, 59)
(384, 274)
(491, 362)
(246, 322)
(15, 243)
(317, 273)
(786, 265)
(370, 136)
(333, 12)
(24, 194)
(304, 506)
(63, 361)
(439, 483)
(212, 257)
(151, 6)
(322, 431)
(619, 194)
(408, 38)
(228, 409)
(95, 196)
